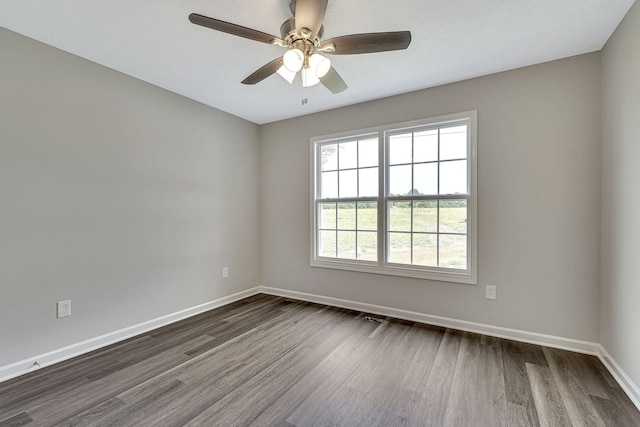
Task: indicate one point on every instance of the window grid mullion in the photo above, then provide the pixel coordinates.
(412, 187)
(338, 179)
(383, 240)
(357, 190)
(336, 205)
(438, 208)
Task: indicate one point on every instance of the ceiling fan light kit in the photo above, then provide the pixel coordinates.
(293, 60)
(302, 36)
(286, 74)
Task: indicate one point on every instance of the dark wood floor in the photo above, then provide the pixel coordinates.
(270, 361)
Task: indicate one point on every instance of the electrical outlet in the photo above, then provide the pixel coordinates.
(490, 292)
(64, 308)
(225, 272)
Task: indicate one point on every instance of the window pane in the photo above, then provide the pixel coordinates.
(453, 216)
(425, 216)
(346, 216)
(425, 178)
(399, 216)
(329, 185)
(368, 182)
(327, 243)
(329, 157)
(347, 244)
(453, 143)
(453, 177)
(349, 183)
(367, 246)
(425, 146)
(400, 180)
(453, 251)
(399, 248)
(368, 216)
(400, 149)
(425, 250)
(327, 216)
(348, 157)
(368, 152)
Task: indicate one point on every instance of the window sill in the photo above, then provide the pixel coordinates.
(396, 270)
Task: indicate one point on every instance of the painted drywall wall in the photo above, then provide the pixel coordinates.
(538, 204)
(122, 197)
(620, 313)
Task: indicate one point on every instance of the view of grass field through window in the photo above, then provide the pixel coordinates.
(348, 231)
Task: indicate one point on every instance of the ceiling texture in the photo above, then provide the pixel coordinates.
(452, 40)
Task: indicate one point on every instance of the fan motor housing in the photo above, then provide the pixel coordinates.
(288, 29)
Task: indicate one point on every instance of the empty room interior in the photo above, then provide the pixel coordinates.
(345, 213)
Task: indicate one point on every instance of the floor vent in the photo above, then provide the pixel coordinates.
(374, 319)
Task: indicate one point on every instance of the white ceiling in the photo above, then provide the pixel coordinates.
(453, 40)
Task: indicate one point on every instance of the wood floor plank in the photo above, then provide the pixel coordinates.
(21, 419)
(250, 399)
(413, 383)
(612, 413)
(625, 404)
(44, 384)
(93, 393)
(521, 409)
(342, 390)
(389, 385)
(86, 416)
(273, 361)
(581, 410)
(137, 413)
(583, 367)
(477, 394)
(550, 409)
(440, 379)
(605, 374)
(324, 372)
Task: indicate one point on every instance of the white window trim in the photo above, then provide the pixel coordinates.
(469, 276)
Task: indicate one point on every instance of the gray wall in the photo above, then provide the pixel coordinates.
(539, 200)
(620, 324)
(122, 197)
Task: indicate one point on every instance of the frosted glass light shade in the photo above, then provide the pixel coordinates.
(293, 60)
(286, 74)
(320, 64)
(309, 77)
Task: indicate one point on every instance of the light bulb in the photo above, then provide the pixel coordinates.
(286, 74)
(293, 59)
(309, 77)
(319, 64)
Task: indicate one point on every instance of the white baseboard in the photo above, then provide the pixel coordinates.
(631, 388)
(585, 347)
(40, 361)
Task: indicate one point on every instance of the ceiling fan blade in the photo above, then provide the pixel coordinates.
(333, 81)
(310, 14)
(229, 28)
(263, 72)
(368, 43)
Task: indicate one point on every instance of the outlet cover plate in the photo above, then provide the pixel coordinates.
(490, 292)
(64, 308)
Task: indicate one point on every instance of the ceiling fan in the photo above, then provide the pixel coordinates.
(302, 36)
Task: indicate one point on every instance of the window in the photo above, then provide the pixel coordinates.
(398, 200)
